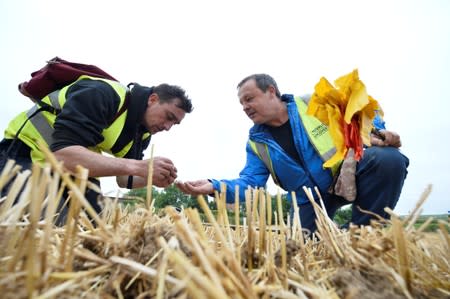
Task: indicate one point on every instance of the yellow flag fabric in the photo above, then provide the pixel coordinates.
(347, 110)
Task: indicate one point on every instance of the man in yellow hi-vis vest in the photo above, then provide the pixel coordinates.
(93, 115)
(291, 146)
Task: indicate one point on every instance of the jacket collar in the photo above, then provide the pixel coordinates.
(287, 98)
(137, 102)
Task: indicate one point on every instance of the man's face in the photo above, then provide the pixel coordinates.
(162, 116)
(256, 103)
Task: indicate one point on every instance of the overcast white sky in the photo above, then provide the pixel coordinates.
(401, 49)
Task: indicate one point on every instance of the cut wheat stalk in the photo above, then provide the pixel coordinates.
(9, 171)
(77, 194)
(149, 202)
(185, 268)
(198, 249)
(137, 267)
(237, 225)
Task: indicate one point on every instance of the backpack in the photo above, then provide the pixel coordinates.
(57, 74)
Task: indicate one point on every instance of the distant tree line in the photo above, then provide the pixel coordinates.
(172, 196)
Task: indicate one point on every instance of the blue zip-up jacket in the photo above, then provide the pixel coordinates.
(291, 174)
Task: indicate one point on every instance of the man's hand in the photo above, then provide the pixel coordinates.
(195, 187)
(164, 172)
(385, 138)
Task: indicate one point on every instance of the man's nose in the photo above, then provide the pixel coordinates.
(167, 126)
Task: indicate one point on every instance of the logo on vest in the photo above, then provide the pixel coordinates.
(319, 130)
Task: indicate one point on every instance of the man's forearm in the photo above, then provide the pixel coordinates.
(97, 164)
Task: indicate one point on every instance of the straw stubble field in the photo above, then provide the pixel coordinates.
(136, 253)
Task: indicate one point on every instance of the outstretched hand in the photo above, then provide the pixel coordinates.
(199, 187)
(386, 138)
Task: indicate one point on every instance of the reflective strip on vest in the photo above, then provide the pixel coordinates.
(263, 153)
(54, 99)
(41, 124)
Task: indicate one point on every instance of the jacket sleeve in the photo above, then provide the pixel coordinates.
(378, 122)
(89, 109)
(254, 175)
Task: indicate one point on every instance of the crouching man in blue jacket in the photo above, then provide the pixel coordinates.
(284, 144)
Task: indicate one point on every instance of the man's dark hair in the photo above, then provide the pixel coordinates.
(263, 81)
(168, 93)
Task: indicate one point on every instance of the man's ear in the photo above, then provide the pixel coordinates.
(271, 89)
(153, 98)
